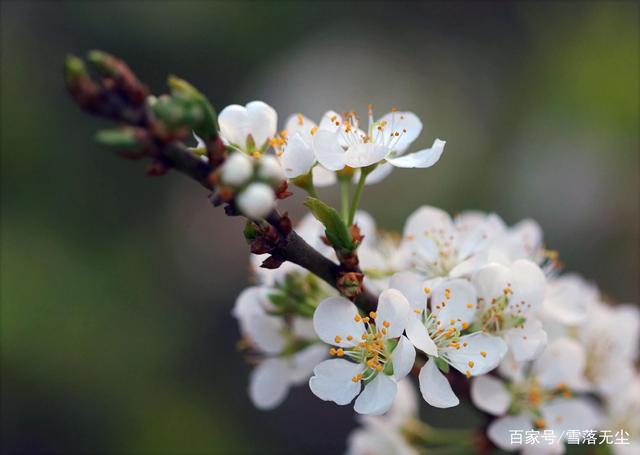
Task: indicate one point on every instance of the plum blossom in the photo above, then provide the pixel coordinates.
(385, 139)
(370, 350)
(257, 200)
(287, 351)
(508, 298)
(443, 311)
(537, 395)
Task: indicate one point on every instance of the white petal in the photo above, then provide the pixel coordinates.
(427, 218)
(572, 414)
(417, 334)
(323, 177)
(526, 342)
(491, 280)
(394, 309)
(299, 124)
(263, 121)
(361, 155)
(265, 332)
(237, 169)
(329, 120)
(249, 303)
(378, 174)
(298, 157)
(422, 159)
(332, 381)
(569, 298)
(482, 353)
(335, 316)
(453, 303)
(435, 387)
(563, 361)
(403, 357)
(406, 123)
(406, 404)
(410, 284)
(303, 328)
(377, 396)
(328, 151)
(489, 394)
(234, 124)
(528, 286)
(269, 384)
(303, 362)
(499, 432)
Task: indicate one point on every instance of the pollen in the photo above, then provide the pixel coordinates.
(313, 130)
(483, 354)
(468, 374)
(337, 339)
(332, 351)
(469, 305)
(417, 311)
(357, 318)
(349, 338)
(386, 324)
(471, 363)
(300, 119)
(373, 314)
(427, 290)
(465, 325)
(340, 352)
(540, 423)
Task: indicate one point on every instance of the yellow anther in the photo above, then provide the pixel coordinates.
(465, 344)
(337, 339)
(354, 379)
(452, 321)
(357, 318)
(349, 338)
(340, 352)
(300, 119)
(379, 367)
(465, 325)
(313, 130)
(468, 374)
(332, 351)
(366, 319)
(384, 331)
(256, 154)
(427, 290)
(386, 324)
(471, 363)
(417, 311)
(483, 354)
(364, 336)
(373, 315)
(469, 305)
(394, 109)
(540, 423)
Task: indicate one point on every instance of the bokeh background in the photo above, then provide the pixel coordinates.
(116, 287)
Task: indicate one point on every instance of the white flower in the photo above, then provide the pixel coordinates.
(623, 413)
(538, 397)
(568, 299)
(508, 298)
(388, 138)
(371, 350)
(440, 246)
(256, 201)
(383, 435)
(249, 127)
(236, 170)
(442, 311)
(270, 336)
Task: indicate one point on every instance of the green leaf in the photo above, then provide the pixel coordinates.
(335, 229)
(388, 369)
(122, 138)
(207, 126)
(250, 232)
(442, 365)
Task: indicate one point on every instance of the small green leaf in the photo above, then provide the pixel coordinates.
(206, 126)
(388, 369)
(250, 232)
(335, 229)
(442, 365)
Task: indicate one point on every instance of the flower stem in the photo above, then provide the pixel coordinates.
(364, 172)
(344, 197)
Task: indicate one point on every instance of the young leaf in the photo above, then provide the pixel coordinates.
(335, 229)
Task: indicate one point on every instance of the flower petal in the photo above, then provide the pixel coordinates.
(435, 387)
(377, 396)
(417, 334)
(489, 394)
(562, 414)
(528, 287)
(269, 384)
(410, 284)
(332, 381)
(453, 303)
(491, 280)
(298, 157)
(528, 341)
(378, 174)
(422, 159)
(299, 124)
(328, 151)
(265, 332)
(393, 312)
(499, 432)
(478, 354)
(403, 357)
(330, 121)
(234, 124)
(361, 155)
(336, 316)
(263, 121)
(562, 362)
(323, 177)
(303, 362)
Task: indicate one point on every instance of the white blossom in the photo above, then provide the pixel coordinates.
(236, 170)
(256, 201)
(248, 128)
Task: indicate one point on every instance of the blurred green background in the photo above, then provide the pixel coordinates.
(116, 288)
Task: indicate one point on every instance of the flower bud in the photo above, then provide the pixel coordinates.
(237, 169)
(256, 201)
(270, 169)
